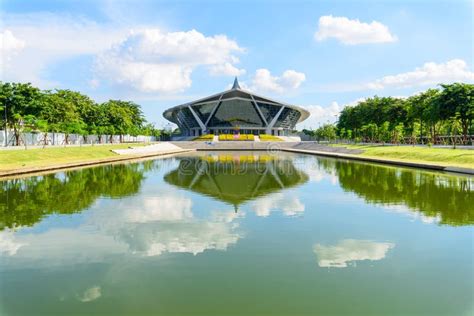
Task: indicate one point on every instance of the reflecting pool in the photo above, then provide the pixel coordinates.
(238, 233)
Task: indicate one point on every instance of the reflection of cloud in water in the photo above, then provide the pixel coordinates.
(143, 225)
(194, 237)
(170, 207)
(91, 294)
(349, 250)
(286, 203)
(309, 166)
(8, 244)
(413, 214)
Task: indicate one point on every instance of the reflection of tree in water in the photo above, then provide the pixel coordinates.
(236, 180)
(451, 198)
(27, 201)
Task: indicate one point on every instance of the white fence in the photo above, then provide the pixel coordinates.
(59, 139)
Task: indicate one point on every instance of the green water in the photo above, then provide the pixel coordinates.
(238, 234)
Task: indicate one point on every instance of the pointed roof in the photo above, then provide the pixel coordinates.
(235, 90)
(236, 84)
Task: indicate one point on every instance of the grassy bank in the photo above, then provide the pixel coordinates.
(51, 156)
(439, 156)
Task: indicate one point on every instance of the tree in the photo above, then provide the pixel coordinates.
(457, 99)
(21, 101)
(456, 126)
(124, 117)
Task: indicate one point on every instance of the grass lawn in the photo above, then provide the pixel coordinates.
(38, 157)
(440, 156)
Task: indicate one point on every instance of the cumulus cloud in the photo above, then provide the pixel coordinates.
(428, 74)
(9, 47)
(143, 226)
(288, 204)
(352, 32)
(154, 61)
(51, 38)
(350, 250)
(226, 69)
(8, 244)
(264, 81)
(413, 214)
(321, 115)
(91, 294)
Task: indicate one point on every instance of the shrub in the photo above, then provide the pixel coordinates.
(269, 138)
(208, 137)
(240, 137)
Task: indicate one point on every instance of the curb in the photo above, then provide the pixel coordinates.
(91, 163)
(468, 171)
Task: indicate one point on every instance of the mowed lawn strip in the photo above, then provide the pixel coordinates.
(463, 158)
(51, 156)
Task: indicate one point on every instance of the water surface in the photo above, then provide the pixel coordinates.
(237, 234)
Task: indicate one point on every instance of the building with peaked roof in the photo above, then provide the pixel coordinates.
(236, 110)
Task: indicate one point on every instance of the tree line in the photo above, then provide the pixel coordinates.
(434, 116)
(25, 108)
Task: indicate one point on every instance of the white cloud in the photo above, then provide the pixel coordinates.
(141, 225)
(349, 250)
(9, 47)
(264, 81)
(429, 74)
(51, 38)
(226, 69)
(91, 294)
(321, 115)
(352, 32)
(8, 244)
(288, 204)
(412, 213)
(151, 60)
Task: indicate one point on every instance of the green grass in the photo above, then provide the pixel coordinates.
(440, 156)
(50, 156)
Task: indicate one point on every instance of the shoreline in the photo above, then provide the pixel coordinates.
(351, 155)
(84, 164)
(420, 165)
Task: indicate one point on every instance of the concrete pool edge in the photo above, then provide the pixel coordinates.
(88, 163)
(111, 160)
(421, 165)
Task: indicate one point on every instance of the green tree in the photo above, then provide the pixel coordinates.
(457, 99)
(21, 101)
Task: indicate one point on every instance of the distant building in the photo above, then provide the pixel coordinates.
(236, 111)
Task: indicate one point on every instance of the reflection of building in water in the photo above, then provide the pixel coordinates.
(236, 179)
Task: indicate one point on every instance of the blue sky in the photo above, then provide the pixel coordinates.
(321, 55)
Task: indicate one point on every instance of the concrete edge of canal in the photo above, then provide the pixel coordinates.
(90, 163)
(421, 165)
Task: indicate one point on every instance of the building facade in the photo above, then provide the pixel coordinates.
(236, 111)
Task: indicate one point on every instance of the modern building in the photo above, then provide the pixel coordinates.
(236, 111)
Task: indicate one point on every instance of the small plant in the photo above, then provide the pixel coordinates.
(269, 138)
(207, 137)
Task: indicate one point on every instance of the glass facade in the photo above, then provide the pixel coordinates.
(268, 110)
(203, 110)
(236, 113)
(288, 118)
